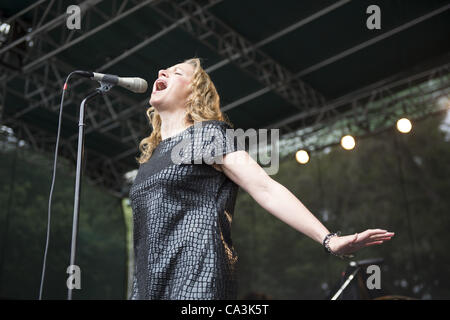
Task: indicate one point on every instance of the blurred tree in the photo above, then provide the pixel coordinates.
(101, 251)
(394, 181)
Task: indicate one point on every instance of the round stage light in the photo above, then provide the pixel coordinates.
(404, 125)
(348, 142)
(302, 156)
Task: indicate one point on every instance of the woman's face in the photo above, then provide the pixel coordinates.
(171, 89)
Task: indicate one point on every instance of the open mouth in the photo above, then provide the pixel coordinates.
(160, 85)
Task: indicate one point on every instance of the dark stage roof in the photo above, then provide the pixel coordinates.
(311, 68)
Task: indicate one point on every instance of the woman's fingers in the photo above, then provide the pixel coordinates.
(378, 240)
(370, 237)
(373, 243)
(383, 239)
(380, 236)
(371, 233)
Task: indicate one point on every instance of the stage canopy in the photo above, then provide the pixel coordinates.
(313, 69)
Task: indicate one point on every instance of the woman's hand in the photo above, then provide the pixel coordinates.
(348, 244)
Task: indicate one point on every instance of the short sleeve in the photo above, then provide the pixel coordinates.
(217, 139)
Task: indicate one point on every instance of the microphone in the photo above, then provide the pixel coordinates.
(136, 85)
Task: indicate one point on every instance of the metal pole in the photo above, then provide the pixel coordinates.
(76, 206)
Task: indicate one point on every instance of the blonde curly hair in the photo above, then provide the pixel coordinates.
(202, 104)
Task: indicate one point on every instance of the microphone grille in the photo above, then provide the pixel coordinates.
(140, 85)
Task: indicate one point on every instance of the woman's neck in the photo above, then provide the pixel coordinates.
(172, 123)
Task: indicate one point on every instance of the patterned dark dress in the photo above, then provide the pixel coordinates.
(182, 213)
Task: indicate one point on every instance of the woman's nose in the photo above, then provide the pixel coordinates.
(162, 72)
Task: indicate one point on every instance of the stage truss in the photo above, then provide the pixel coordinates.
(32, 76)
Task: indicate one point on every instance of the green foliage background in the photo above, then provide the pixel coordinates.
(391, 180)
(101, 247)
(352, 191)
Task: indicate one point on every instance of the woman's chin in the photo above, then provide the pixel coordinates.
(154, 100)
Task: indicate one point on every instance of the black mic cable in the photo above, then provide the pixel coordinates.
(53, 181)
(134, 84)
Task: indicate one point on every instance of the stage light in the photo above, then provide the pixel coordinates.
(444, 102)
(404, 125)
(4, 27)
(302, 156)
(348, 142)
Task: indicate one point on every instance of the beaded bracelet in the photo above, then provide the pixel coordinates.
(326, 245)
(326, 241)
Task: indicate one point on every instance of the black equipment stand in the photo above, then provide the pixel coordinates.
(104, 87)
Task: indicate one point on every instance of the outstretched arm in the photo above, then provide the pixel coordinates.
(280, 202)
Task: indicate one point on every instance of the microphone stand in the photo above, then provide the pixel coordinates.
(357, 265)
(104, 87)
(345, 284)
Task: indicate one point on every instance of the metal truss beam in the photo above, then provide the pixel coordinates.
(43, 83)
(228, 43)
(222, 63)
(108, 122)
(372, 41)
(39, 94)
(38, 24)
(371, 92)
(101, 170)
(373, 110)
(337, 57)
(105, 125)
(41, 89)
(69, 40)
(282, 32)
(216, 66)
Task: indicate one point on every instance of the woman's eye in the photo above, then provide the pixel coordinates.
(178, 73)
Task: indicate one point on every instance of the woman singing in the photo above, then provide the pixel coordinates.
(182, 210)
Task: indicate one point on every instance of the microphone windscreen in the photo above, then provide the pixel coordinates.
(140, 85)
